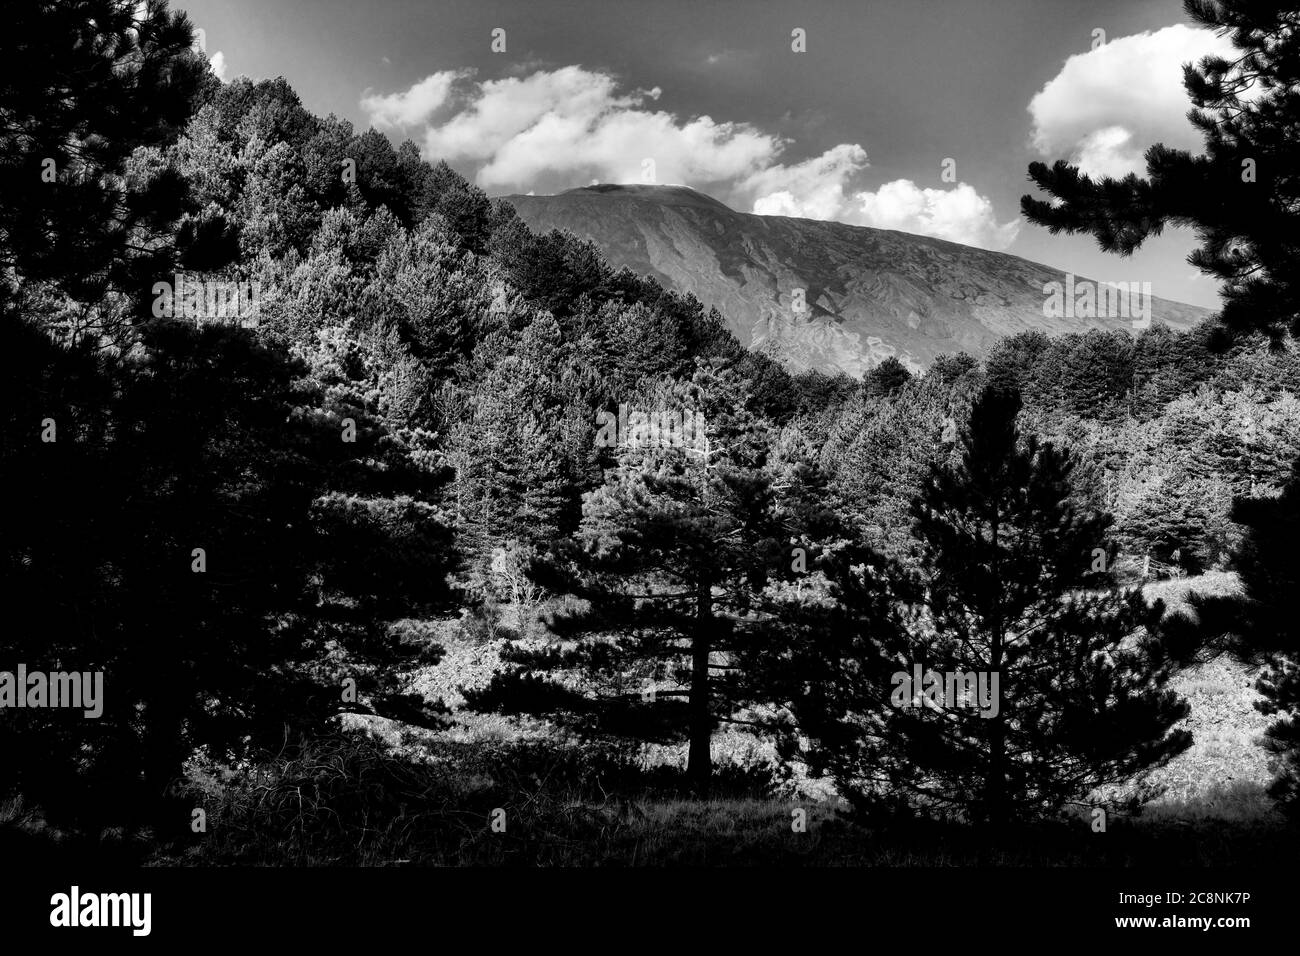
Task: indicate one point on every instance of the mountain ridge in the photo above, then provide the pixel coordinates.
(869, 293)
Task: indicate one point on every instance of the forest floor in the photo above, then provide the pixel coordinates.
(1223, 774)
(563, 806)
(494, 791)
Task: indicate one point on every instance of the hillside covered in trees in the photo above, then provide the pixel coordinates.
(337, 472)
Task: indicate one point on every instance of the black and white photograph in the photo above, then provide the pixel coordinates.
(679, 461)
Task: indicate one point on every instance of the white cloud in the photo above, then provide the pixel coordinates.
(1110, 151)
(218, 64)
(813, 189)
(818, 189)
(561, 127)
(572, 124)
(959, 214)
(1106, 106)
(414, 105)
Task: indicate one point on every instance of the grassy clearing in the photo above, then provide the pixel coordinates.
(1224, 773)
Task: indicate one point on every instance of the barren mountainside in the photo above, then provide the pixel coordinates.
(869, 293)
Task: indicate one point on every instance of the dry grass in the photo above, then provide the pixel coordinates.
(1224, 773)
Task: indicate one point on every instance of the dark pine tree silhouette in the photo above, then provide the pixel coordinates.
(194, 526)
(1010, 585)
(1242, 196)
(85, 84)
(184, 534)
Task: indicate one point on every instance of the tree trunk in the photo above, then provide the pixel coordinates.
(699, 760)
(995, 789)
(995, 792)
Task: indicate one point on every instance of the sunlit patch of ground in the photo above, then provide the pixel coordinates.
(1224, 773)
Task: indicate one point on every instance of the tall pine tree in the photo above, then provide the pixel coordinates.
(1068, 692)
(670, 559)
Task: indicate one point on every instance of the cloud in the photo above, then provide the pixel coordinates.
(414, 105)
(813, 189)
(1106, 106)
(818, 189)
(569, 124)
(556, 128)
(218, 64)
(959, 214)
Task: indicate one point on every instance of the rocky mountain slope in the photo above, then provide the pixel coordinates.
(867, 293)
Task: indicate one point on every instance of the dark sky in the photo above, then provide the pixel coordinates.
(887, 90)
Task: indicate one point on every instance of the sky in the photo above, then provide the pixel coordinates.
(919, 115)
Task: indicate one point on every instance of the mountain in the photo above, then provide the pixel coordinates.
(869, 293)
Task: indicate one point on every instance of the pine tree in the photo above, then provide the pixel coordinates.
(671, 556)
(463, 206)
(1097, 377)
(86, 83)
(1068, 694)
(1182, 520)
(886, 379)
(1013, 363)
(1240, 196)
(888, 453)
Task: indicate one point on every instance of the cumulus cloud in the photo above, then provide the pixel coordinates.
(813, 189)
(218, 65)
(960, 214)
(1106, 106)
(412, 106)
(818, 188)
(568, 125)
(572, 123)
